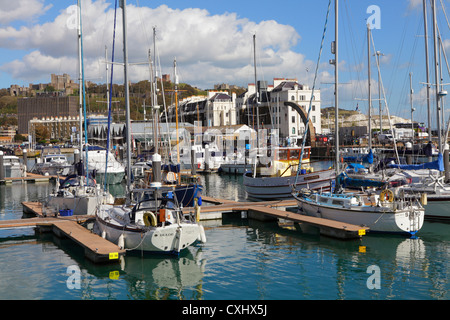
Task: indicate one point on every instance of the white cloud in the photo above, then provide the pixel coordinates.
(21, 10)
(209, 48)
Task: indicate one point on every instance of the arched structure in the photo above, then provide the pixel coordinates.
(311, 137)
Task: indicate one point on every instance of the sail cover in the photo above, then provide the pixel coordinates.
(345, 181)
(436, 165)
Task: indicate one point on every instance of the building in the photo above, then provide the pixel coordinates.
(278, 106)
(61, 83)
(286, 118)
(218, 108)
(45, 106)
(63, 128)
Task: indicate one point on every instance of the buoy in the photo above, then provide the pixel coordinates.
(121, 242)
(424, 199)
(202, 233)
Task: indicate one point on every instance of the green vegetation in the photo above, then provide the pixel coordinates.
(96, 101)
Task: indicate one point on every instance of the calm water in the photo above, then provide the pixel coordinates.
(242, 259)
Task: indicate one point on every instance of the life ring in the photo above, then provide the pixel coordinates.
(387, 195)
(149, 219)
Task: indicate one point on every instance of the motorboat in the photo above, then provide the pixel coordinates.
(98, 165)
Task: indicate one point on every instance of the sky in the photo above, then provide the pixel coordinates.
(212, 42)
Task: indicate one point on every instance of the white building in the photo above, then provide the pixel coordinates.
(221, 109)
(273, 111)
(218, 108)
(287, 119)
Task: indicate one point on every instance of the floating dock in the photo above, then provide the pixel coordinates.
(272, 210)
(263, 211)
(96, 248)
(100, 250)
(30, 178)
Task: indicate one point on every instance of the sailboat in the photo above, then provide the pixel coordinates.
(152, 221)
(387, 211)
(186, 193)
(425, 180)
(285, 168)
(77, 194)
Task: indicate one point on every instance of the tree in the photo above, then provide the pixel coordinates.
(49, 89)
(41, 133)
(19, 138)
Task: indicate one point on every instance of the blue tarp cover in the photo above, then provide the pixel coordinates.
(437, 165)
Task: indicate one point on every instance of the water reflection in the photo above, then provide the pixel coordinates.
(163, 278)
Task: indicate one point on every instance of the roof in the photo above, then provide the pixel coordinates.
(220, 96)
(287, 85)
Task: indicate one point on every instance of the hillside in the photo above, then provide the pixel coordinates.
(352, 118)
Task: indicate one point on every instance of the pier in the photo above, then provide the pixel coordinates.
(273, 210)
(29, 178)
(100, 250)
(96, 249)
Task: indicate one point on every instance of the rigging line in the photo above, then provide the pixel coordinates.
(353, 47)
(265, 93)
(399, 55)
(385, 102)
(445, 14)
(389, 116)
(305, 134)
(110, 100)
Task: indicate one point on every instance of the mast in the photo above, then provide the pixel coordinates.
(80, 79)
(425, 24)
(369, 87)
(378, 53)
(83, 96)
(412, 108)
(436, 74)
(107, 83)
(155, 96)
(123, 5)
(176, 115)
(256, 89)
(336, 75)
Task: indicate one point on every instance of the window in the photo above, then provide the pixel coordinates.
(338, 202)
(313, 119)
(293, 98)
(293, 119)
(313, 108)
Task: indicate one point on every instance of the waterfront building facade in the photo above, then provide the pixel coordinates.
(275, 108)
(218, 108)
(45, 106)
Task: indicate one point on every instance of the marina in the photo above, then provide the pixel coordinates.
(299, 262)
(233, 193)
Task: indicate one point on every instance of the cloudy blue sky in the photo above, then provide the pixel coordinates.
(212, 42)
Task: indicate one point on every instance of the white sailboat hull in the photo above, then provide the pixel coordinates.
(399, 221)
(171, 238)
